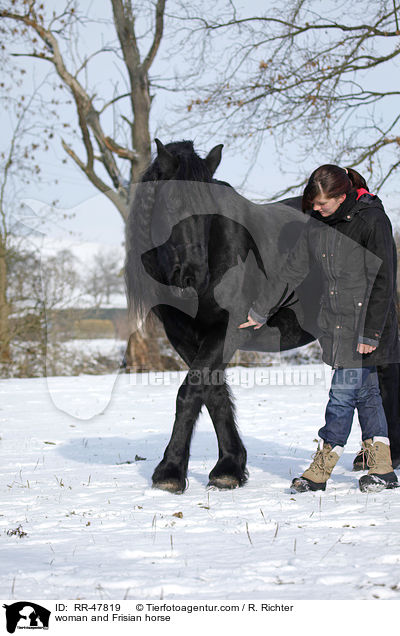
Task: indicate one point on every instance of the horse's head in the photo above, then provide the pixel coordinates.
(182, 215)
(169, 227)
(179, 161)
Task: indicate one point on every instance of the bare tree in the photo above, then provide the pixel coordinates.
(17, 165)
(104, 276)
(318, 73)
(40, 286)
(42, 295)
(112, 143)
(44, 35)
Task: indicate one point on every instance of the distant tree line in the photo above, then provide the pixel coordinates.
(43, 294)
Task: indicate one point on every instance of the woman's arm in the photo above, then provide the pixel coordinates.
(274, 289)
(380, 243)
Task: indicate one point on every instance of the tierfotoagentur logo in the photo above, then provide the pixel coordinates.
(26, 615)
(245, 377)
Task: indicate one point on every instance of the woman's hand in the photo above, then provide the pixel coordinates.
(365, 348)
(250, 323)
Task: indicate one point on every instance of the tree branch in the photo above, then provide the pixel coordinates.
(160, 9)
(122, 152)
(87, 115)
(296, 29)
(119, 200)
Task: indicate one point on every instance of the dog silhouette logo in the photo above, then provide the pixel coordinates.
(26, 615)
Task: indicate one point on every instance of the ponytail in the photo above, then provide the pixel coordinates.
(357, 179)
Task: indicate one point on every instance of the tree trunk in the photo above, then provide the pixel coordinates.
(143, 351)
(5, 354)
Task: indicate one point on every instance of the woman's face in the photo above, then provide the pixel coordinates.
(327, 206)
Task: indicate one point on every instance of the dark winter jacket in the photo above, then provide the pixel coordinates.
(356, 254)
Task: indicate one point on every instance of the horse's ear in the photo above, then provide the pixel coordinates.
(168, 163)
(214, 157)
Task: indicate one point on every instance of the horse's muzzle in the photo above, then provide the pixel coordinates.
(184, 292)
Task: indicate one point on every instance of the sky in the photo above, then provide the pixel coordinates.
(92, 216)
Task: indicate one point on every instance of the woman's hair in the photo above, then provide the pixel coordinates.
(331, 181)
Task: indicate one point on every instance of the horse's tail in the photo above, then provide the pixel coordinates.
(138, 242)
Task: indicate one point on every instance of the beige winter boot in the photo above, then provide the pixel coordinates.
(319, 471)
(381, 474)
(360, 460)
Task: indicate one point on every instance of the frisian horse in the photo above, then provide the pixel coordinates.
(197, 256)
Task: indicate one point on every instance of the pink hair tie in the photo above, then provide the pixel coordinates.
(346, 171)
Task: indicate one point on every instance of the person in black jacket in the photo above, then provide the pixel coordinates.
(349, 238)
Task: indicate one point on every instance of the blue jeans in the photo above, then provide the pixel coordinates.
(350, 389)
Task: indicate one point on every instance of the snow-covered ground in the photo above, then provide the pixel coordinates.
(79, 518)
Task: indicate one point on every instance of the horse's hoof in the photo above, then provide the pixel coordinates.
(170, 485)
(224, 482)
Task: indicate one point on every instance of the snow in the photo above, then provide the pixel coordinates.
(95, 529)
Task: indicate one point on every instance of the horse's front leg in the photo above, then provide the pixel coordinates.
(204, 383)
(213, 356)
(171, 472)
(230, 470)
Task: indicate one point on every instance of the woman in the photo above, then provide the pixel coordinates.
(349, 237)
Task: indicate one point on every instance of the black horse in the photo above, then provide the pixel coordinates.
(197, 256)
